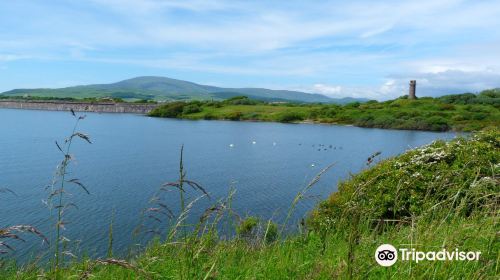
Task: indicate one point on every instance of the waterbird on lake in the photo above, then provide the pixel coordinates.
(253, 142)
(231, 145)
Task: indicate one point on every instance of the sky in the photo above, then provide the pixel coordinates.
(367, 49)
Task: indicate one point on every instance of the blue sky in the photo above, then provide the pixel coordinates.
(337, 48)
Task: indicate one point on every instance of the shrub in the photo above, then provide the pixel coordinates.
(247, 227)
(271, 233)
(234, 116)
(251, 116)
(491, 93)
(384, 121)
(209, 116)
(332, 112)
(191, 109)
(446, 107)
(436, 123)
(465, 98)
(457, 177)
(241, 100)
(287, 117)
(169, 110)
(479, 116)
(314, 114)
(353, 105)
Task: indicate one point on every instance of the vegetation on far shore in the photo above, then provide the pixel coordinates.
(458, 112)
(441, 196)
(461, 112)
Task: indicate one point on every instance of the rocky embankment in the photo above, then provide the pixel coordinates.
(102, 107)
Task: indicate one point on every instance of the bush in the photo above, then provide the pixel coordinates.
(479, 116)
(446, 107)
(314, 114)
(384, 121)
(234, 116)
(288, 117)
(169, 110)
(437, 123)
(438, 179)
(353, 105)
(241, 100)
(191, 109)
(209, 116)
(465, 98)
(248, 227)
(271, 233)
(252, 116)
(491, 93)
(332, 112)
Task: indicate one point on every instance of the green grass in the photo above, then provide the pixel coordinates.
(454, 112)
(308, 257)
(444, 195)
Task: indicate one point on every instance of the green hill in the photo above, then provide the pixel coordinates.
(165, 89)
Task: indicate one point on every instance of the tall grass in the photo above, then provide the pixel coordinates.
(58, 191)
(14, 233)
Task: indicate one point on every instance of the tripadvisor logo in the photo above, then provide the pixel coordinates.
(387, 255)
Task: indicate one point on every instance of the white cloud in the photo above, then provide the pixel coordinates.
(377, 31)
(335, 91)
(257, 26)
(326, 89)
(428, 84)
(338, 48)
(12, 57)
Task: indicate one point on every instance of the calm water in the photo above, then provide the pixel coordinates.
(131, 156)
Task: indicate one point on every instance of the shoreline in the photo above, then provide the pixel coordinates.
(148, 109)
(144, 109)
(312, 122)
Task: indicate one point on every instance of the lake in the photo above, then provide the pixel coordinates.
(132, 156)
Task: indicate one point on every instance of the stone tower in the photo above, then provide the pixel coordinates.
(413, 88)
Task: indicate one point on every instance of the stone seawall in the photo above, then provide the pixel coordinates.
(78, 106)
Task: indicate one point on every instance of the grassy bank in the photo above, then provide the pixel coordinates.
(441, 196)
(465, 112)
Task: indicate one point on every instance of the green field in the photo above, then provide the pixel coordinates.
(465, 112)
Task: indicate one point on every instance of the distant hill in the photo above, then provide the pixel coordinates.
(164, 89)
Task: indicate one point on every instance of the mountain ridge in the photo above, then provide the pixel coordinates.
(168, 89)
